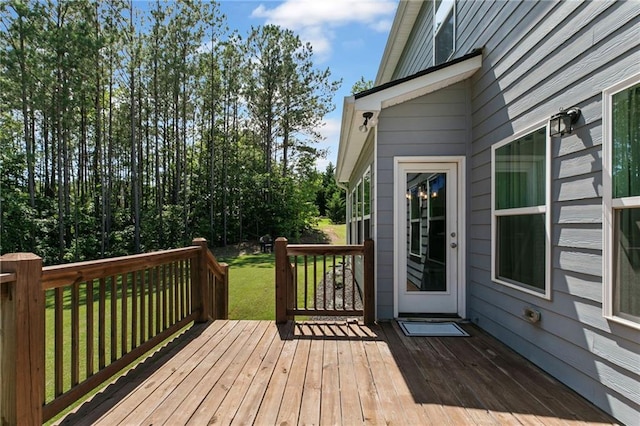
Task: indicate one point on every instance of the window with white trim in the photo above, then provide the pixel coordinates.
(360, 220)
(444, 40)
(520, 222)
(621, 199)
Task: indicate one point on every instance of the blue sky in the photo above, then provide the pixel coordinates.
(348, 37)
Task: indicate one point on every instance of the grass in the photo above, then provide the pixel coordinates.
(252, 286)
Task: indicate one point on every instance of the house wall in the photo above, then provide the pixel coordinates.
(432, 125)
(538, 57)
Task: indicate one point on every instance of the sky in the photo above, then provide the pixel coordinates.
(347, 36)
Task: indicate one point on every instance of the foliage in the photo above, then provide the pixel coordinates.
(361, 85)
(125, 129)
(331, 199)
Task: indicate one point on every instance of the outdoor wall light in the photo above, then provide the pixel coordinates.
(562, 122)
(367, 116)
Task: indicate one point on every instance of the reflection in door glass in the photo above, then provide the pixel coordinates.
(426, 230)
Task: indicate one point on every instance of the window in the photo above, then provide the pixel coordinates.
(520, 236)
(360, 220)
(366, 182)
(443, 30)
(621, 200)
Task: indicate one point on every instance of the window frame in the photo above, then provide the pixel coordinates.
(610, 204)
(540, 209)
(437, 31)
(357, 217)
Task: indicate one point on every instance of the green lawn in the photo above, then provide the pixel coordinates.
(252, 286)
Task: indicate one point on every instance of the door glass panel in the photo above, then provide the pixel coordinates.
(426, 232)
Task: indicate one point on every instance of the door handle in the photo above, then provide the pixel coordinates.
(454, 245)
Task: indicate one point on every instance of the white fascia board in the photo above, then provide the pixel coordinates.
(346, 143)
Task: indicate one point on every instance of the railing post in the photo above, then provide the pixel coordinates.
(22, 341)
(222, 295)
(282, 264)
(369, 287)
(199, 282)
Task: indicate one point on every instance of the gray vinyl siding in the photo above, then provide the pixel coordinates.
(537, 57)
(432, 125)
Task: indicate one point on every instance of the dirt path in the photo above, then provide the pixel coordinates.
(333, 237)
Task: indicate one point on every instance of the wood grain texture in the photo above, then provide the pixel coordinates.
(249, 372)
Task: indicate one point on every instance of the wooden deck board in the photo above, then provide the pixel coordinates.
(251, 372)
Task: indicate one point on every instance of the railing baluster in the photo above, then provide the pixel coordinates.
(75, 334)
(134, 309)
(344, 286)
(315, 282)
(182, 301)
(295, 282)
(144, 278)
(102, 332)
(324, 281)
(165, 319)
(306, 282)
(90, 337)
(59, 342)
(114, 318)
(158, 278)
(172, 313)
(187, 279)
(150, 304)
(333, 272)
(353, 282)
(124, 323)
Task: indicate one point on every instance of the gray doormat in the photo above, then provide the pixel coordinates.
(433, 329)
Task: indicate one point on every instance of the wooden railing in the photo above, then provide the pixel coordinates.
(98, 317)
(324, 280)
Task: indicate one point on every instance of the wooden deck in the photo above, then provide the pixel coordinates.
(254, 372)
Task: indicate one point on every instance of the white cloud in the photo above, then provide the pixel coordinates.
(315, 20)
(383, 25)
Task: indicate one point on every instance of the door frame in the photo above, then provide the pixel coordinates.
(399, 196)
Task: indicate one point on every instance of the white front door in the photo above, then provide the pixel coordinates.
(427, 237)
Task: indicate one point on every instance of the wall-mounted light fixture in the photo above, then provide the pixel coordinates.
(367, 116)
(562, 122)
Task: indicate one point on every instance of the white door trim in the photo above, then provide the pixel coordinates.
(461, 193)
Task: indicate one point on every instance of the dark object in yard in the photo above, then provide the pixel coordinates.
(266, 244)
